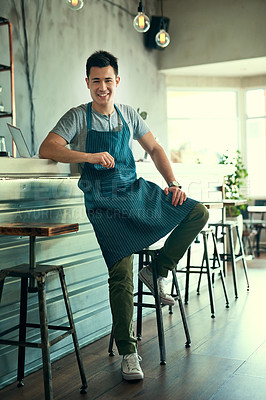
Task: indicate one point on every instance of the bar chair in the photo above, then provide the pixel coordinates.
(33, 280)
(248, 237)
(144, 257)
(226, 228)
(205, 268)
(258, 223)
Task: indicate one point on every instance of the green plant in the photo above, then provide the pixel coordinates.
(143, 114)
(236, 183)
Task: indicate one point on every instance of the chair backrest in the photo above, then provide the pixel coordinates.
(260, 202)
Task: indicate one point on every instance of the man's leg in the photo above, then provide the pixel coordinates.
(121, 301)
(180, 239)
(173, 250)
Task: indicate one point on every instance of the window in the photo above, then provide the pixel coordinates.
(256, 141)
(202, 125)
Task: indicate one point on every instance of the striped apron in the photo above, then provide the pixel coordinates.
(127, 214)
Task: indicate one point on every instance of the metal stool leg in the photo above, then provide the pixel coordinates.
(217, 256)
(181, 308)
(242, 253)
(74, 333)
(111, 343)
(22, 330)
(47, 370)
(159, 318)
(206, 258)
(200, 274)
(258, 241)
(233, 260)
(187, 274)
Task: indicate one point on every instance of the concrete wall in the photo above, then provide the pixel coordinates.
(66, 39)
(210, 31)
(205, 31)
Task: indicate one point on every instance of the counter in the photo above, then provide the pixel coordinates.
(42, 190)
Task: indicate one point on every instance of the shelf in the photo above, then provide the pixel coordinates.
(11, 113)
(3, 20)
(4, 68)
(5, 114)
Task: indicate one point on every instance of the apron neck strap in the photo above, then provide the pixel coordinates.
(88, 115)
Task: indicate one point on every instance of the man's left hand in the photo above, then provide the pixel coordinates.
(178, 196)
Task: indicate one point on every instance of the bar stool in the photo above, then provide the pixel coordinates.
(248, 237)
(227, 227)
(33, 279)
(205, 268)
(145, 256)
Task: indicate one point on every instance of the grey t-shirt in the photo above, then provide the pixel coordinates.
(73, 125)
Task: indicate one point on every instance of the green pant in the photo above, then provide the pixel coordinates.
(121, 276)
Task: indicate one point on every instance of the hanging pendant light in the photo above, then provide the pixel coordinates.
(141, 22)
(162, 38)
(75, 4)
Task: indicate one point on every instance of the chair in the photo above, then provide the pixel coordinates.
(145, 256)
(224, 228)
(33, 279)
(248, 237)
(205, 268)
(258, 224)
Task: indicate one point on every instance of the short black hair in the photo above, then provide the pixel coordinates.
(101, 59)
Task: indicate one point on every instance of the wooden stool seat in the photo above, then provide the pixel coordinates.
(36, 229)
(33, 279)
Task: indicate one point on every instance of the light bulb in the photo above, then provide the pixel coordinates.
(141, 22)
(75, 4)
(162, 39)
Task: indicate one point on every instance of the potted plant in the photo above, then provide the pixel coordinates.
(236, 183)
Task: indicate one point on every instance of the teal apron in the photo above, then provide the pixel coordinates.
(127, 214)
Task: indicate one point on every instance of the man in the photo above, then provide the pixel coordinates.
(127, 214)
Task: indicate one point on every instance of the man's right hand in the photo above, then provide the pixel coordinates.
(104, 159)
(54, 148)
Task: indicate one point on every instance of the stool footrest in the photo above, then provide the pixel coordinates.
(148, 305)
(55, 327)
(143, 293)
(20, 344)
(68, 331)
(224, 224)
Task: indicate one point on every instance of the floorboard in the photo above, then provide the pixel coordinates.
(226, 360)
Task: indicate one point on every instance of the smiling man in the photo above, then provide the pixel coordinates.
(127, 213)
(102, 83)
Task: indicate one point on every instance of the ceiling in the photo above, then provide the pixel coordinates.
(237, 68)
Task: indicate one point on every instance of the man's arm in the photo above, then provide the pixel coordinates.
(163, 165)
(54, 147)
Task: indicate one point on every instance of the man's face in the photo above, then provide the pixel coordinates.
(102, 83)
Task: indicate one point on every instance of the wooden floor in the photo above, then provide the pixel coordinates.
(226, 361)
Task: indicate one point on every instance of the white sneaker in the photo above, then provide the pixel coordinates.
(130, 367)
(145, 275)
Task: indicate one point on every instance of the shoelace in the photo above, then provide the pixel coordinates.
(132, 360)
